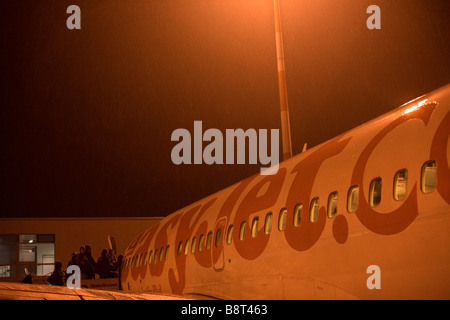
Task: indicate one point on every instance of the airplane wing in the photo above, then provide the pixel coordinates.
(19, 291)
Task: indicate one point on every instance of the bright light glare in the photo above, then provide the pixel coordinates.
(415, 107)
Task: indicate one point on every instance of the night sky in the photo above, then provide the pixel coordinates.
(86, 116)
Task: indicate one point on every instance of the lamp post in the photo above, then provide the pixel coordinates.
(284, 110)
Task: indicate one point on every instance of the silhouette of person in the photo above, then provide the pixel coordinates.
(73, 259)
(104, 267)
(28, 278)
(112, 258)
(57, 276)
(89, 263)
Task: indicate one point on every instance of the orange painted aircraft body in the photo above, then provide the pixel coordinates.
(377, 195)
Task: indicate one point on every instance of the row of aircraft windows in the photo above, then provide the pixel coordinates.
(428, 184)
(143, 259)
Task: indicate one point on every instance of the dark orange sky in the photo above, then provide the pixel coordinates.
(87, 115)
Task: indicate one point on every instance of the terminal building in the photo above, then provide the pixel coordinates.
(37, 243)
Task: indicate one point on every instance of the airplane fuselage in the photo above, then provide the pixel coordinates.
(377, 195)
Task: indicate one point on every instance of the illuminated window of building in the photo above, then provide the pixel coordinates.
(375, 192)
(242, 230)
(353, 198)
(8, 261)
(35, 252)
(332, 204)
(180, 248)
(428, 179)
(298, 214)
(268, 223)
(230, 234)
(255, 227)
(193, 244)
(186, 247)
(314, 210)
(201, 240)
(400, 184)
(282, 219)
(209, 240)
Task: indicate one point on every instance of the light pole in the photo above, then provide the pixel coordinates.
(284, 110)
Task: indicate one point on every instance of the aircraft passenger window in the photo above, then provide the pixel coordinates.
(332, 204)
(230, 234)
(155, 256)
(186, 247)
(353, 198)
(314, 210)
(144, 260)
(375, 192)
(298, 214)
(268, 223)
(242, 230)
(150, 257)
(429, 176)
(282, 219)
(180, 247)
(194, 240)
(200, 242)
(255, 227)
(167, 252)
(209, 240)
(161, 253)
(400, 184)
(218, 237)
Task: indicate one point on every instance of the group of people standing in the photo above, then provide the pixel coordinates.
(106, 265)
